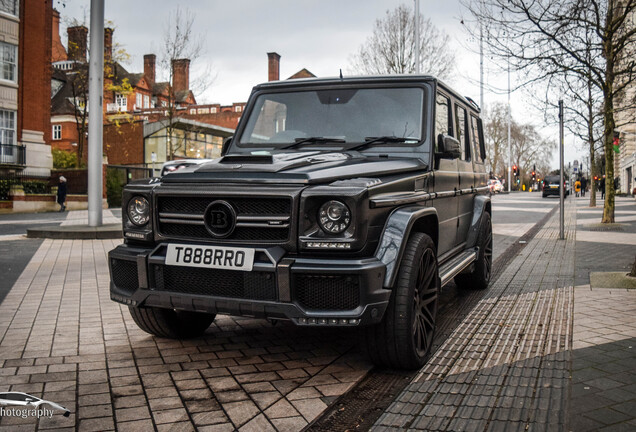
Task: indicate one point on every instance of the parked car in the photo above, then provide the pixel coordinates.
(551, 186)
(495, 186)
(345, 202)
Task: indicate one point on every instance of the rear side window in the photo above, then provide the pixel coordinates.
(443, 123)
(462, 135)
(479, 150)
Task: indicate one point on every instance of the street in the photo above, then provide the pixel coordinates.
(63, 339)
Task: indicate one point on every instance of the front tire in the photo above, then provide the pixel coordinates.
(404, 338)
(170, 323)
(479, 277)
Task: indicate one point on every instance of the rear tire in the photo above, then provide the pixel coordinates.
(170, 323)
(479, 277)
(404, 338)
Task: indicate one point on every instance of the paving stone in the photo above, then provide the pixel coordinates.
(240, 412)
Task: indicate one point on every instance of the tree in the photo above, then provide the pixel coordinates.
(528, 147)
(590, 39)
(180, 43)
(496, 131)
(391, 47)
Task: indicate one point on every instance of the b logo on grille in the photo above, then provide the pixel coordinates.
(220, 219)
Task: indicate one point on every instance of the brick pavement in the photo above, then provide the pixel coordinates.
(506, 366)
(63, 339)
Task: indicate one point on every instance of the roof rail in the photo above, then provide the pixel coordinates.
(473, 103)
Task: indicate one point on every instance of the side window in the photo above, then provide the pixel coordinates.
(443, 124)
(478, 145)
(462, 135)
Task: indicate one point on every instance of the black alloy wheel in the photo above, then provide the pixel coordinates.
(404, 338)
(425, 297)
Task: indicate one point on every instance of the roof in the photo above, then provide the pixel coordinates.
(187, 124)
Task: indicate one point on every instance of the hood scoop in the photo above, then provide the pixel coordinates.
(247, 159)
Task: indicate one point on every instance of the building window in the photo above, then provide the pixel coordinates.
(237, 108)
(7, 127)
(8, 61)
(57, 132)
(213, 110)
(10, 6)
(193, 111)
(139, 100)
(146, 101)
(121, 101)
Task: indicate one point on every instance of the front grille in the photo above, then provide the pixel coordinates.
(215, 282)
(259, 219)
(321, 292)
(125, 274)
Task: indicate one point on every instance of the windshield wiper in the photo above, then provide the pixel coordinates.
(313, 140)
(383, 140)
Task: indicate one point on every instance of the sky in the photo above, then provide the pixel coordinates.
(320, 36)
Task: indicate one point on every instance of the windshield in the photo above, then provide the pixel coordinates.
(335, 116)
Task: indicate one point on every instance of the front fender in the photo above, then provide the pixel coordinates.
(395, 235)
(481, 205)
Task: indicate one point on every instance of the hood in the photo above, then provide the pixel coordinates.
(296, 168)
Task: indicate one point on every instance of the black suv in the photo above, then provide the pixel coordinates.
(338, 202)
(551, 186)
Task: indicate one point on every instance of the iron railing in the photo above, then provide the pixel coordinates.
(12, 154)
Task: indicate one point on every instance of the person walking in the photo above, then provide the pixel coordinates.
(603, 188)
(61, 193)
(583, 186)
(577, 188)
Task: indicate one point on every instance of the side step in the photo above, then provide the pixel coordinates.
(455, 266)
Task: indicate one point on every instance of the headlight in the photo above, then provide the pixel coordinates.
(139, 210)
(334, 217)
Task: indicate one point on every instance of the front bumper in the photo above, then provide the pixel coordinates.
(307, 291)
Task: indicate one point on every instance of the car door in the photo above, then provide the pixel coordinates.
(446, 178)
(466, 174)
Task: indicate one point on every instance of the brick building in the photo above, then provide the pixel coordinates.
(25, 83)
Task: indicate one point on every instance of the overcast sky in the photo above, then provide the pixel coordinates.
(318, 35)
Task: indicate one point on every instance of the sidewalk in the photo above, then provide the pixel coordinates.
(508, 366)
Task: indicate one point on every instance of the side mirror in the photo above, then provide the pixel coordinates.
(226, 145)
(449, 146)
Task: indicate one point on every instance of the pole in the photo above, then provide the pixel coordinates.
(95, 113)
(509, 140)
(417, 36)
(481, 61)
(561, 177)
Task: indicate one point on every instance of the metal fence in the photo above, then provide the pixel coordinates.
(12, 155)
(31, 184)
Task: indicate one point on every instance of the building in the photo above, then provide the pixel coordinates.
(25, 86)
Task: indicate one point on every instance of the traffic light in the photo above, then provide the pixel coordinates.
(534, 176)
(616, 142)
(514, 170)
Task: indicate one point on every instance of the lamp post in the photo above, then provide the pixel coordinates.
(95, 113)
(417, 36)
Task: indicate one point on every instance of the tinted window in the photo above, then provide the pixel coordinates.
(479, 151)
(443, 123)
(462, 135)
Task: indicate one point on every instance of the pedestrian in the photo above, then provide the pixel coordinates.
(577, 187)
(583, 186)
(61, 193)
(603, 188)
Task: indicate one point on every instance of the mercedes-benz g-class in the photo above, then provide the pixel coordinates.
(338, 202)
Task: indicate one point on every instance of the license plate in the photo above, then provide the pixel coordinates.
(215, 257)
(554, 186)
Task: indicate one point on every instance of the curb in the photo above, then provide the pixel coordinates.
(79, 232)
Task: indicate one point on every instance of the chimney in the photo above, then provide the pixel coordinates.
(77, 43)
(180, 75)
(149, 68)
(108, 44)
(58, 53)
(273, 66)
